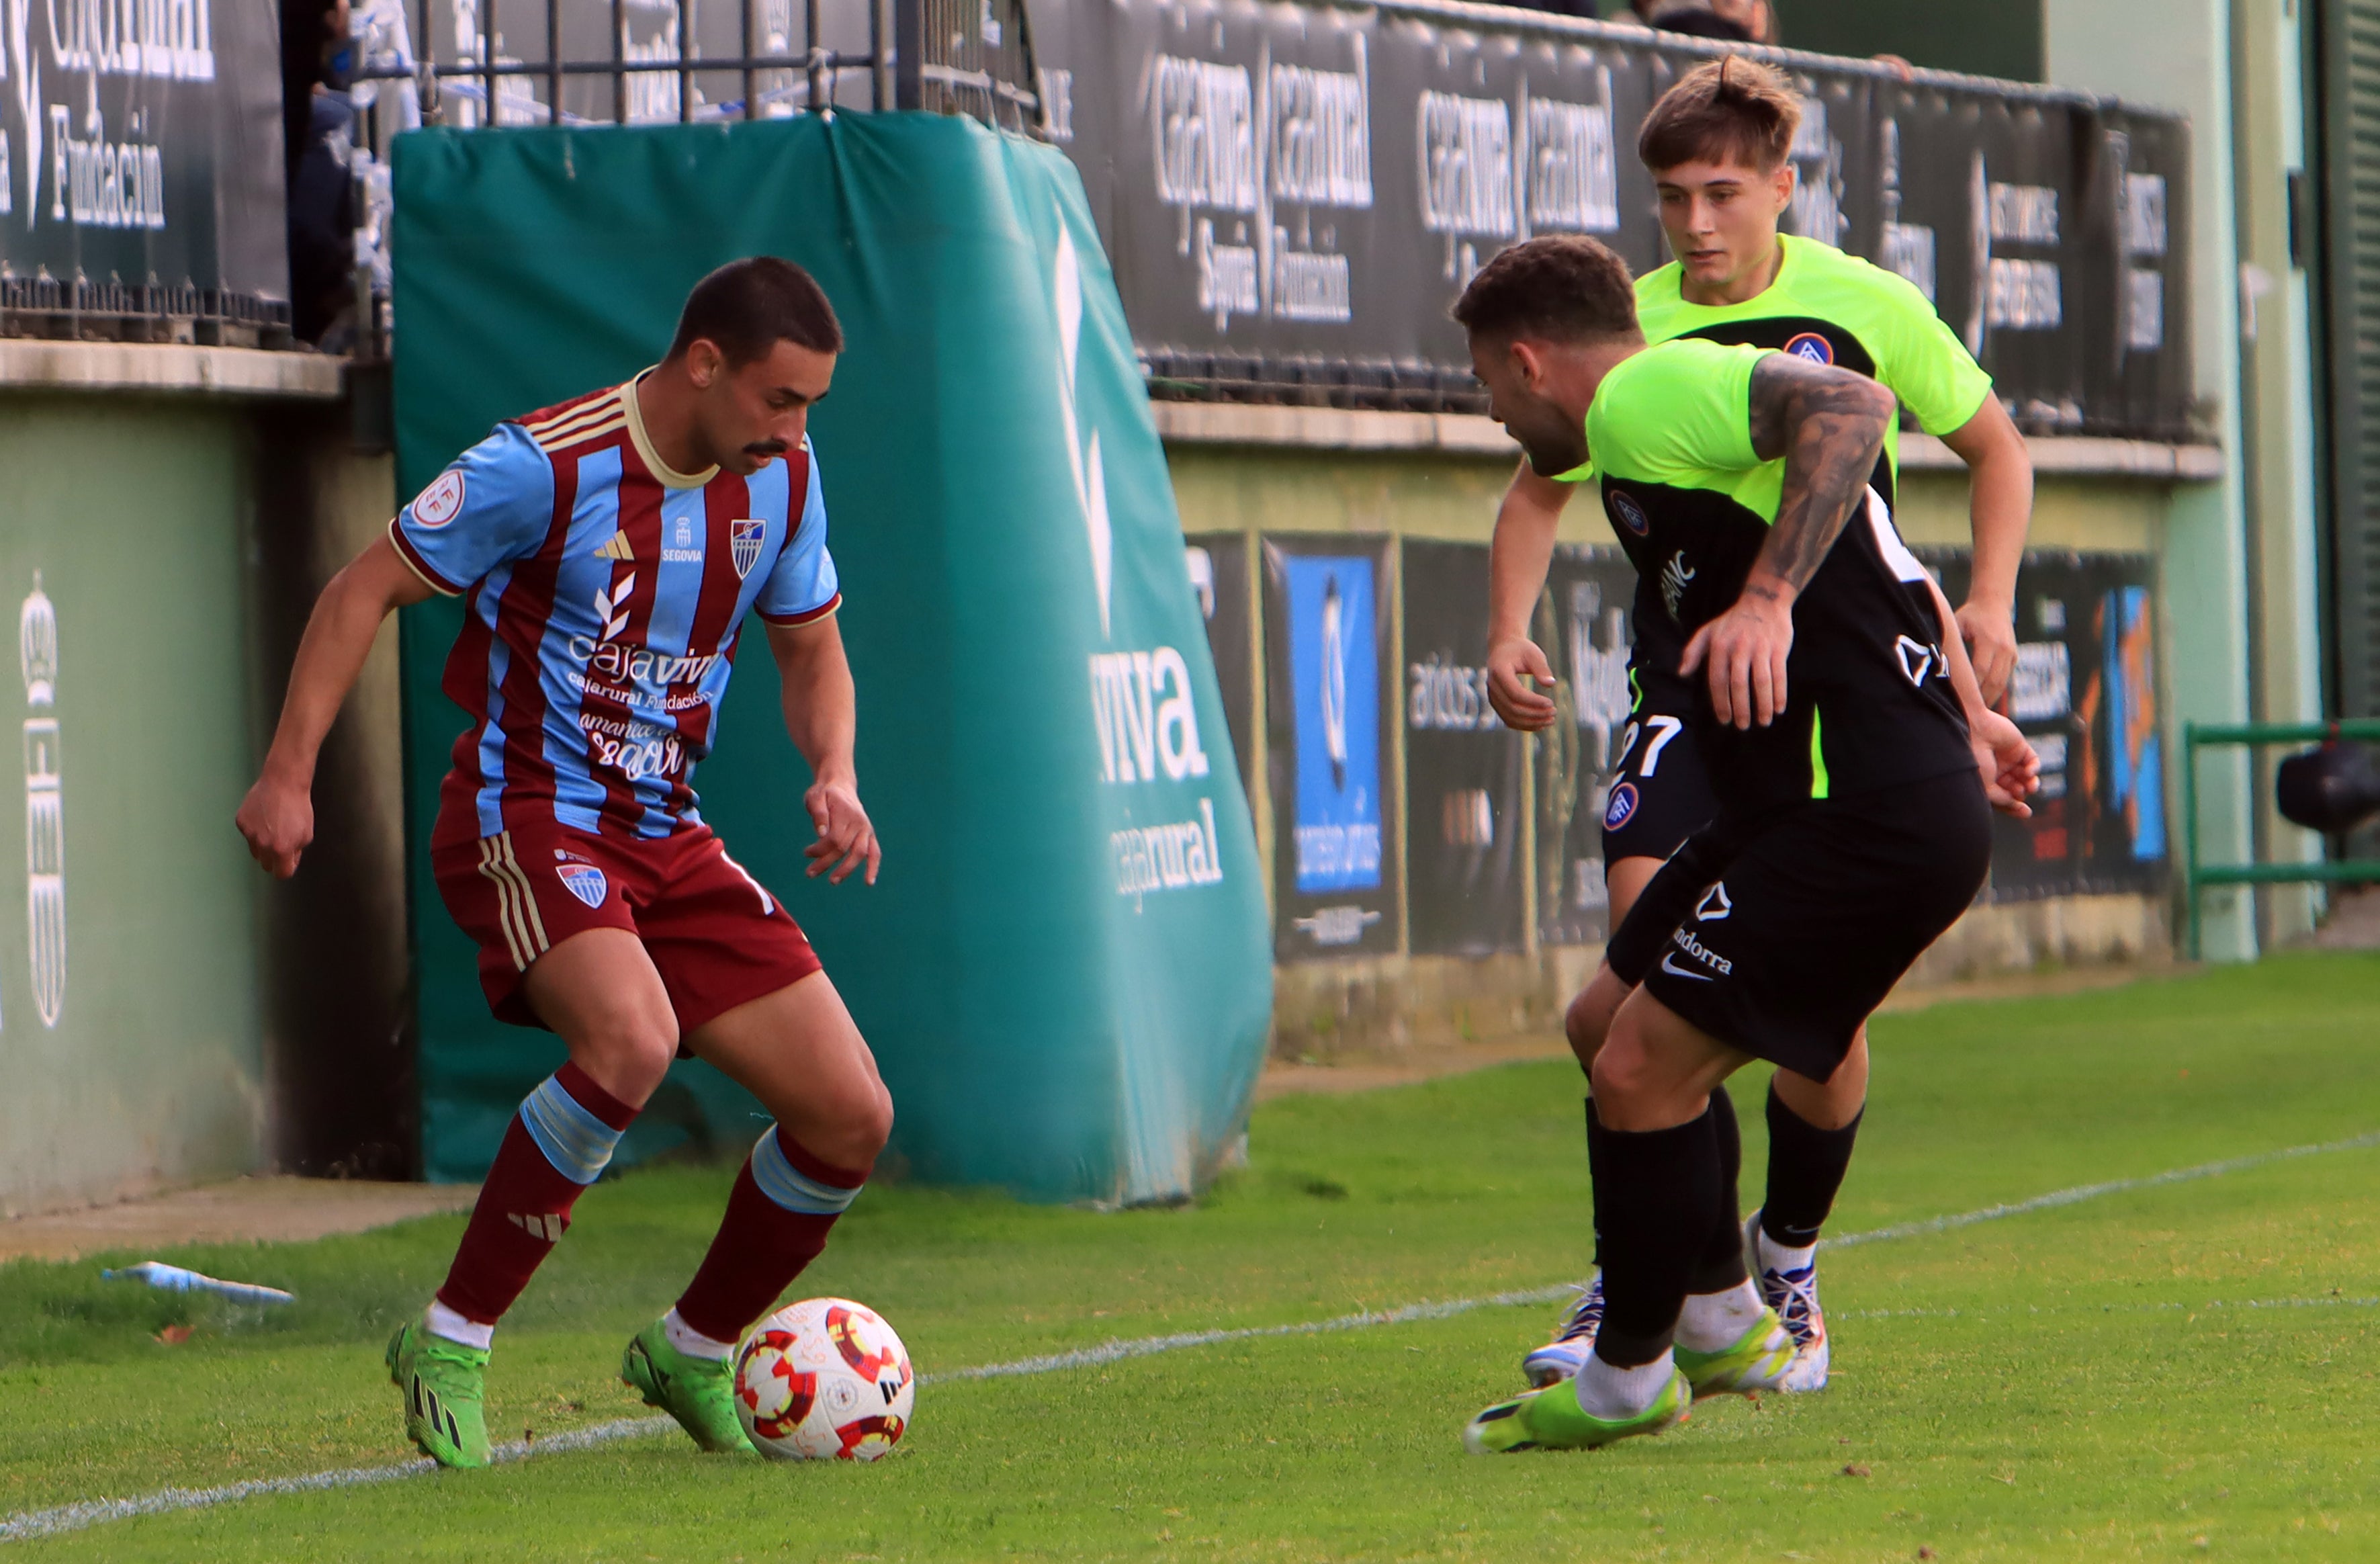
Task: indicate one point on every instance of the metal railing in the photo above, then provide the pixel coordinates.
(2196, 876)
(663, 61)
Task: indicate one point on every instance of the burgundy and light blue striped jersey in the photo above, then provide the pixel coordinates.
(603, 594)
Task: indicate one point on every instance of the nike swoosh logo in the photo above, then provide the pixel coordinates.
(1669, 964)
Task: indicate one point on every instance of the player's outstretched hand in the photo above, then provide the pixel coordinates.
(1515, 670)
(2010, 769)
(277, 819)
(1990, 636)
(846, 838)
(1747, 647)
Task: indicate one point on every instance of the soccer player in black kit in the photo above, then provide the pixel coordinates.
(1852, 759)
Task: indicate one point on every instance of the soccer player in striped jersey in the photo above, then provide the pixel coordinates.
(1717, 144)
(609, 550)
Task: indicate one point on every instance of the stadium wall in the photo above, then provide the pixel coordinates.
(1257, 471)
(2243, 557)
(141, 1047)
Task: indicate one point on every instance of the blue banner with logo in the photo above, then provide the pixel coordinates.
(1327, 634)
(1335, 694)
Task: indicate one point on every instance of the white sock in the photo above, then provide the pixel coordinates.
(444, 1321)
(1775, 1256)
(1614, 1394)
(695, 1344)
(1713, 1320)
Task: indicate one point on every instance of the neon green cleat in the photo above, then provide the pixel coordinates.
(1552, 1419)
(1758, 1361)
(698, 1392)
(443, 1382)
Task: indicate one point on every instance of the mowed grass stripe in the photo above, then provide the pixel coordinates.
(93, 1512)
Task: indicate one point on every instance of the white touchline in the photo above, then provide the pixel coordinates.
(92, 1512)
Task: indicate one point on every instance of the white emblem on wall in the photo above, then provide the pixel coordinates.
(1090, 476)
(46, 833)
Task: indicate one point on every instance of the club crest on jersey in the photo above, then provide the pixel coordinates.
(440, 503)
(584, 881)
(1622, 807)
(1631, 515)
(744, 545)
(1813, 346)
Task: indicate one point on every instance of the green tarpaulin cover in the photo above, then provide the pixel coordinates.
(1064, 969)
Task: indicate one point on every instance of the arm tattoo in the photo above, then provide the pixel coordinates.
(1828, 424)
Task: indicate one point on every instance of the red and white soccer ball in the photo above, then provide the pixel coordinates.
(824, 1379)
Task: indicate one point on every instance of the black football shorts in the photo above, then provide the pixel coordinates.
(1821, 912)
(1660, 795)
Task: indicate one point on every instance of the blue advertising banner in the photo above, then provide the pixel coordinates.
(1327, 631)
(1335, 693)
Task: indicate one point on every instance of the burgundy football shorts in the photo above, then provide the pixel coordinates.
(717, 937)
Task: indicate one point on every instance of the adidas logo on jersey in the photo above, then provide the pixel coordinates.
(616, 549)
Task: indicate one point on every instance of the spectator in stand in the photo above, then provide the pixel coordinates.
(321, 194)
(1737, 21)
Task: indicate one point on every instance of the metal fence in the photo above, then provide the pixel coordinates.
(643, 62)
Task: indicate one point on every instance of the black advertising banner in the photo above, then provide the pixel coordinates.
(1581, 623)
(140, 160)
(1292, 194)
(1328, 690)
(1462, 766)
(1218, 562)
(2085, 692)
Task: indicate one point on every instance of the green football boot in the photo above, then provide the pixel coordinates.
(443, 1382)
(1760, 1360)
(1552, 1419)
(698, 1392)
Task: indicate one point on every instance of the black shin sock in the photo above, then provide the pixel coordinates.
(1592, 1130)
(1719, 1265)
(1656, 1199)
(1805, 1168)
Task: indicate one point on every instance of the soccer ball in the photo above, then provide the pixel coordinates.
(824, 1379)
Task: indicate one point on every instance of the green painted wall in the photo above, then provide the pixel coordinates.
(135, 515)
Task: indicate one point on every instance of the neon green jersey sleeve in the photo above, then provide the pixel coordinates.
(1679, 413)
(1923, 360)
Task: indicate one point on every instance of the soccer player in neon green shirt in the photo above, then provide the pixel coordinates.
(1854, 763)
(1717, 145)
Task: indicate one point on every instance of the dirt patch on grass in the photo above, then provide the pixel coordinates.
(253, 1210)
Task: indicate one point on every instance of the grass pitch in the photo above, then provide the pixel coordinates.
(2186, 1370)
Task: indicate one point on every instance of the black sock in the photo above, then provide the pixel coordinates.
(1805, 1168)
(1656, 1195)
(1591, 1130)
(1720, 1263)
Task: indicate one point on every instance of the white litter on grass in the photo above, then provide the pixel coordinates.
(174, 1278)
(93, 1512)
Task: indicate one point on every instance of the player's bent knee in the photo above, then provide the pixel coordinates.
(628, 1057)
(1587, 1021)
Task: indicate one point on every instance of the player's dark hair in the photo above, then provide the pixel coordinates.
(747, 306)
(1724, 110)
(1563, 287)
